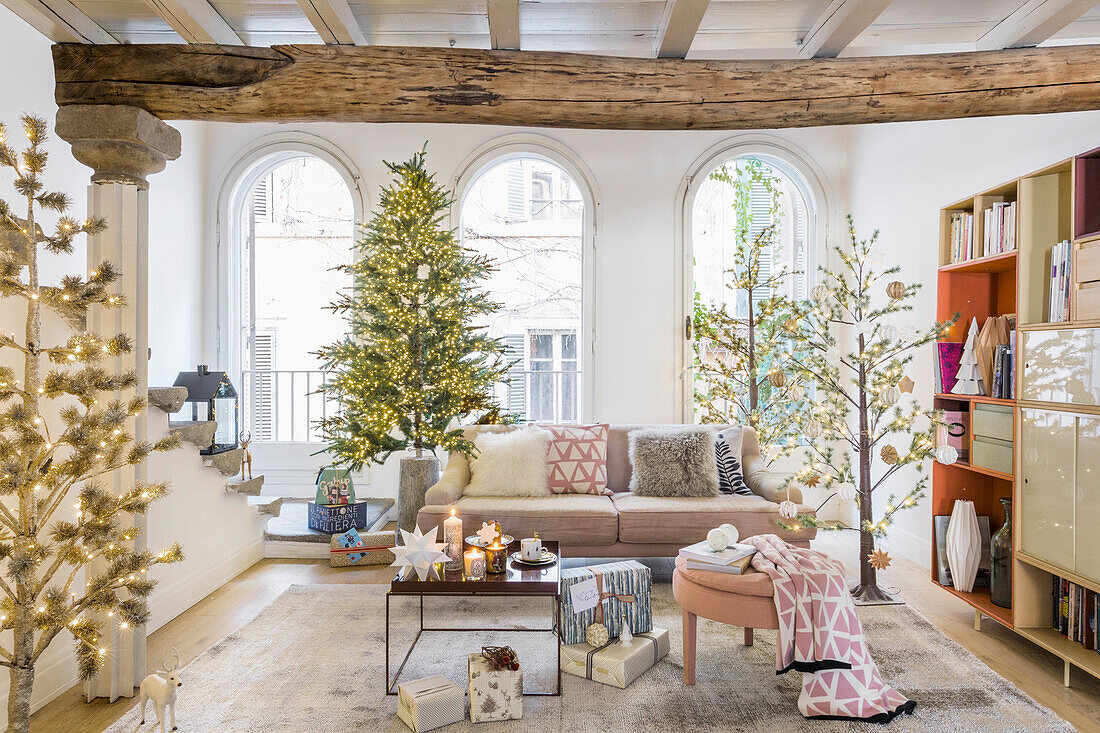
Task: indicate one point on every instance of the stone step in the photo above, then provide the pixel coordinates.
(167, 399)
(251, 487)
(288, 535)
(228, 463)
(200, 433)
(266, 504)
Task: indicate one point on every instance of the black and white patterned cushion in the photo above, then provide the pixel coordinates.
(727, 451)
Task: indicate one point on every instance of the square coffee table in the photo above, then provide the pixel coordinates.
(517, 582)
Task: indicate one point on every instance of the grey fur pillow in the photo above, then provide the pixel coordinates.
(673, 462)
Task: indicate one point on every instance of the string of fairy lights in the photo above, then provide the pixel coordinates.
(41, 470)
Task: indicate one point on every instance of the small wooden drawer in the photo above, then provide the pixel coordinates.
(1087, 267)
(1087, 307)
(992, 454)
(992, 421)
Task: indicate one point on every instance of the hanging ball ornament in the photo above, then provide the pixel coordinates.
(846, 490)
(717, 540)
(946, 454)
(889, 455)
(812, 429)
(890, 395)
(890, 332)
(791, 325)
(778, 379)
(798, 392)
(731, 533)
(788, 510)
(896, 289)
(819, 293)
(596, 635)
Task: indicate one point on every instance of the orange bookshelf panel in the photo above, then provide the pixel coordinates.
(979, 599)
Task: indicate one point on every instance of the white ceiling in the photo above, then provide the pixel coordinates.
(729, 28)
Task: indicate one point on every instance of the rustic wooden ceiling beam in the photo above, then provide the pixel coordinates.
(504, 24)
(838, 26)
(196, 21)
(679, 24)
(334, 21)
(60, 21)
(406, 84)
(1033, 22)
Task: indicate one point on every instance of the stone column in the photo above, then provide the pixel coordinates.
(122, 145)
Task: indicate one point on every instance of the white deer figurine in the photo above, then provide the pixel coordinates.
(160, 687)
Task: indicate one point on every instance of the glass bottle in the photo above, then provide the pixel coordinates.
(1000, 555)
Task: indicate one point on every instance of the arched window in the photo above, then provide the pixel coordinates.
(777, 197)
(295, 223)
(528, 214)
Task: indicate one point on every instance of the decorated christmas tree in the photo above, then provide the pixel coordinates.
(742, 370)
(415, 357)
(969, 379)
(858, 414)
(62, 427)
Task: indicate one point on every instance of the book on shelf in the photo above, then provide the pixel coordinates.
(701, 552)
(738, 567)
(1061, 281)
(1000, 228)
(1076, 613)
(946, 363)
(962, 237)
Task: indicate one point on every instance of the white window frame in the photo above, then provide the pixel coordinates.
(526, 145)
(796, 165)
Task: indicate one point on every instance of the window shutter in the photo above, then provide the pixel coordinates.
(760, 208)
(261, 199)
(263, 386)
(517, 192)
(517, 379)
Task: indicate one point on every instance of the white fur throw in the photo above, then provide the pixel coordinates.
(510, 464)
(673, 462)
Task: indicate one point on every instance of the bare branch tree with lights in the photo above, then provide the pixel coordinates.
(858, 414)
(61, 430)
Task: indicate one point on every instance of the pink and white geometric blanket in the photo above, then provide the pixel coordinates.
(820, 636)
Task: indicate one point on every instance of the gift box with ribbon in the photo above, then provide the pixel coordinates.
(615, 663)
(495, 693)
(430, 703)
(607, 594)
(362, 548)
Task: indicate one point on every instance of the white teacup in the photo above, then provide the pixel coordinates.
(530, 549)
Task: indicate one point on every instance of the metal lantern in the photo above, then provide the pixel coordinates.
(211, 396)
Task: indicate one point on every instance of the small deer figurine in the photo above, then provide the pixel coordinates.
(246, 460)
(161, 687)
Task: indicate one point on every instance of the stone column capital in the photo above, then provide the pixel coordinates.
(121, 144)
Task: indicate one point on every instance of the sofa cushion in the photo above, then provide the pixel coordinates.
(752, 583)
(510, 464)
(579, 519)
(578, 459)
(618, 453)
(727, 450)
(673, 462)
(684, 520)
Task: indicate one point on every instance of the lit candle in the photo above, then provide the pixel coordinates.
(474, 562)
(452, 538)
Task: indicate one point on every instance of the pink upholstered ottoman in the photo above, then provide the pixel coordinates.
(739, 600)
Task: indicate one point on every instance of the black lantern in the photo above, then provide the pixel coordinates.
(212, 397)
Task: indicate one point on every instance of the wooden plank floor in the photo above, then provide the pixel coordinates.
(1033, 670)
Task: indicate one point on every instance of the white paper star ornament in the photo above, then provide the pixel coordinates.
(418, 554)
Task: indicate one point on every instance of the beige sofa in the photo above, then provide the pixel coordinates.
(621, 525)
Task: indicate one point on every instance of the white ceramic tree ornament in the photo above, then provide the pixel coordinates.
(846, 490)
(788, 510)
(890, 395)
(418, 554)
(946, 454)
(812, 429)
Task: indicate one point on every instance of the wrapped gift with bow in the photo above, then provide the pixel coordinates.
(616, 663)
(610, 595)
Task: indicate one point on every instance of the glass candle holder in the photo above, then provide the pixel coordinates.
(474, 564)
(437, 571)
(496, 557)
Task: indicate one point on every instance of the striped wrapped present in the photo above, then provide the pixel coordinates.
(430, 703)
(624, 589)
(368, 548)
(615, 664)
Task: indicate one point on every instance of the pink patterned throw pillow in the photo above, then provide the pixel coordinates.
(578, 459)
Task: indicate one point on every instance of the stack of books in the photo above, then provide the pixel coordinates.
(1004, 368)
(1000, 228)
(1076, 613)
(962, 237)
(1061, 265)
(734, 560)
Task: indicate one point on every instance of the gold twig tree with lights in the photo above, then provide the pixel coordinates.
(859, 410)
(58, 431)
(415, 357)
(742, 373)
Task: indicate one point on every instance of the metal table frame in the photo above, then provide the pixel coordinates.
(555, 611)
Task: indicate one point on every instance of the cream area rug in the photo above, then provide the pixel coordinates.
(313, 661)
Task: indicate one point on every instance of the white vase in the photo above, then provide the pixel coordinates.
(964, 545)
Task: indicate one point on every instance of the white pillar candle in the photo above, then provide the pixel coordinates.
(452, 539)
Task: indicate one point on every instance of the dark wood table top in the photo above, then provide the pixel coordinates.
(515, 580)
